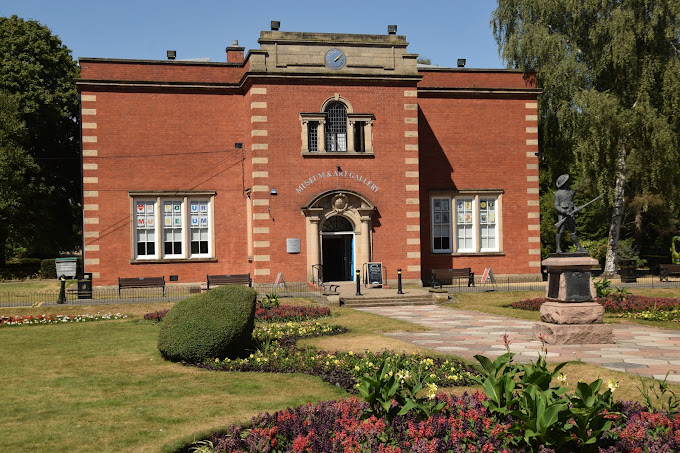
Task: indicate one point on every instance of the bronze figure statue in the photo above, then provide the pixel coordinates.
(564, 205)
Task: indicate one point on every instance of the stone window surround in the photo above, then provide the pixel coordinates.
(159, 197)
(320, 119)
(475, 195)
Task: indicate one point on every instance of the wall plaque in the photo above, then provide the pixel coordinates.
(293, 245)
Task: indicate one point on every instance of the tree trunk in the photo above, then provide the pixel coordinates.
(617, 213)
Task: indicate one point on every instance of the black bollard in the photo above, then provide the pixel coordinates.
(62, 291)
(358, 282)
(399, 291)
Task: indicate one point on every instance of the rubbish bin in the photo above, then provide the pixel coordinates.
(627, 271)
(85, 286)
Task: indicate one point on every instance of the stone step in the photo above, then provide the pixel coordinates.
(387, 300)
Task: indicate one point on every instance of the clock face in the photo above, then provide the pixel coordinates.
(335, 59)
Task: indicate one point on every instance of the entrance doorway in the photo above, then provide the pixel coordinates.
(337, 249)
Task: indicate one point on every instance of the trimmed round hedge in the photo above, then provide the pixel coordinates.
(215, 324)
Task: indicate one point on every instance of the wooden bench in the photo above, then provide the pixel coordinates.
(668, 269)
(233, 279)
(446, 276)
(141, 282)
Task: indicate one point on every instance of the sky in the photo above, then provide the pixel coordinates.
(442, 31)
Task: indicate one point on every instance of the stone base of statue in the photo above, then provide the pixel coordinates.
(571, 316)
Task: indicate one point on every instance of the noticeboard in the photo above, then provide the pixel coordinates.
(375, 273)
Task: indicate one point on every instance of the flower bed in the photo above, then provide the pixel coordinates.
(615, 304)
(463, 425)
(282, 313)
(344, 369)
(302, 329)
(30, 320)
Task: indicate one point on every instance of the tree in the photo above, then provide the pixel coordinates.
(610, 72)
(40, 74)
(20, 183)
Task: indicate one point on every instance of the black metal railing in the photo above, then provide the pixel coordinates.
(109, 295)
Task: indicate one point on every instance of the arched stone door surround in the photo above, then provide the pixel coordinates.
(353, 206)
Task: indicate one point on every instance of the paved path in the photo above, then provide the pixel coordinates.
(638, 349)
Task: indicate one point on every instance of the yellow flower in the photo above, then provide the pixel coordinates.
(612, 385)
(562, 378)
(431, 390)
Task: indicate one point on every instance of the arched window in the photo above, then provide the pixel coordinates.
(336, 127)
(337, 224)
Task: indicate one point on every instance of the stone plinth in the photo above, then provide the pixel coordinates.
(571, 316)
(574, 333)
(572, 313)
(440, 296)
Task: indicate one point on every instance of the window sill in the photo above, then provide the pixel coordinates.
(174, 261)
(336, 154)
(468, 253)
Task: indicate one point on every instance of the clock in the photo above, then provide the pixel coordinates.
(335, 59)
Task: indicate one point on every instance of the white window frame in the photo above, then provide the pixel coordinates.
(484, 210)
(158, 201)
(468, 212)
(449, 249)
(148, 217)
(202, 214)
(475, 197)
(173, 217)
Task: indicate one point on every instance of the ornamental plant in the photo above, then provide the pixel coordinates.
(391, 392)
(218, 323)
(30, 320)
(543, 415)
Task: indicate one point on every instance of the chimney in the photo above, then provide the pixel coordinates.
(275, 25)
(461, 62)
(391, 29)
(171, 54)
(235, 53)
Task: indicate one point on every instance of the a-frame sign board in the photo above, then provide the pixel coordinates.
(488, 277)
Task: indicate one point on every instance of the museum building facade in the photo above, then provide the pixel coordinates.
(314, 153)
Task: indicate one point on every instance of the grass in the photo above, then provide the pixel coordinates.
(103, 385)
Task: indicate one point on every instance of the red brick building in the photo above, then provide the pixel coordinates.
(314, 151)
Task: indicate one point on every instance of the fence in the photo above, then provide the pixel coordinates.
(643, 280)
(109, 295)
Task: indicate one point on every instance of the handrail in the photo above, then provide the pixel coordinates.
(319, 274)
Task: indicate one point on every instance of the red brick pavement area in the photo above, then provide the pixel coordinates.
(642, 350)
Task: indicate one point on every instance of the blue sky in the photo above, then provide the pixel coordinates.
(144, 29)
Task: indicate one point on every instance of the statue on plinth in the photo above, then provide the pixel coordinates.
(563, 200)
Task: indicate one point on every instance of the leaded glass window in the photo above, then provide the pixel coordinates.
(336, 127)
(200, 227)
(464, 225)
(441, 224)
(487, 224)
(172, 228)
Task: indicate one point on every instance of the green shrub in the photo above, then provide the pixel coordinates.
(48, 268)
(20, 268)
(216, 324)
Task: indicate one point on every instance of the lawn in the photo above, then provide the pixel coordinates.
(103, 385)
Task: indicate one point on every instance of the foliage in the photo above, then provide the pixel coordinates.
(38, 71)
(20, 268)
(278, 354)
(20, 181)
(291, 313)
(390, 392)
(619, 301)
(666, 399)
(217, 323)
(6, 321)
(464, 424)
(269, 301)
(610, 108)
(543, 415)
(283, 313)
(603, 287)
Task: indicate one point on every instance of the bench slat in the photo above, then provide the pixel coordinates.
(665, 270)
(141, 282)
(228, 279)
